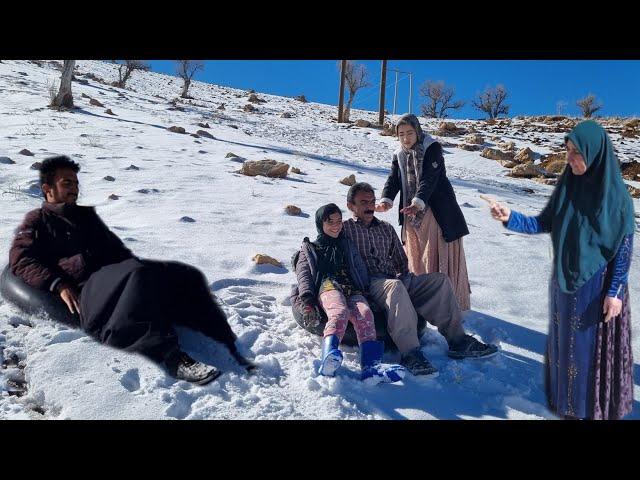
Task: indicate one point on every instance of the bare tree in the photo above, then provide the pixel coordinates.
(588, 105)
(355, 78)
(491, 101)
(64, 98)
(126, 68)
(440, 99)
(186, 69)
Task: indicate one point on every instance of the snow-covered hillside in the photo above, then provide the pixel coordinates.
(159, 177)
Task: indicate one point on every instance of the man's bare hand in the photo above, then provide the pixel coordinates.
(69, 296)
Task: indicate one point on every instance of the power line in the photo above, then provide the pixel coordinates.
(361, 99)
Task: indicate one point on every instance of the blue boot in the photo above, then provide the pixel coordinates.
(373, 370)
(331, 356)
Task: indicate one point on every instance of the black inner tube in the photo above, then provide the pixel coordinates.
(350, 338)
(33, 301)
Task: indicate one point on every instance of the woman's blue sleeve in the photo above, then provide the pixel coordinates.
(621, 265)
(523, 224)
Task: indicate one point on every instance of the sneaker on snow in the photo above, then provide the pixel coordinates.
(470, 347)
(417, 363)
(183, 367)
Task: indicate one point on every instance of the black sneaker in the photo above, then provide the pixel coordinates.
(417, 363)
(183, 367)
(470, 347)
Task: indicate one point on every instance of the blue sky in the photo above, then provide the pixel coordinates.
(535, 86)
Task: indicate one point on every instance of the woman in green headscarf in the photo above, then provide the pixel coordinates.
(589, 365)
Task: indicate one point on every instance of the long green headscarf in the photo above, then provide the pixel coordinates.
(589, 214)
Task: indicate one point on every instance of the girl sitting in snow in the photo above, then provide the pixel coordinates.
(332, 276)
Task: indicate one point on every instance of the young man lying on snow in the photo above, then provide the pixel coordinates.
(122, 301)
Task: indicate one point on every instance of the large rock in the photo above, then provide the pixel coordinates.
(553, 157)
(363, 123)
(301, 98)
(475, 139)
(630, 170)
(526, 170)
(261, 259)
(558, 128)
(253, 98)
(26, 152)
(296, 170)
(249, 108)
(175, 129)
(629, 132)
(285, 115)
(265, 168)
(447, 127)
(469, 147)
(524, 156)
(495, 154)
(6, 161)
(507, 163)
(293, 210)
(554, 168)
(349, 181)
(554, 163)
(507, 146)
(204, 133)
(95, 103)
(388, 130)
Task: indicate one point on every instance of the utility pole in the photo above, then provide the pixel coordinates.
(343, 71)
(395, 93)
(410, 90)
(383, 84)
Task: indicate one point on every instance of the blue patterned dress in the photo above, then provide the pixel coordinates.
(589, 364)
